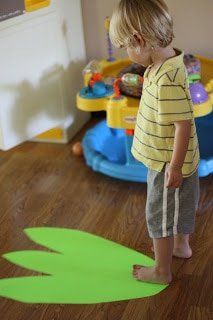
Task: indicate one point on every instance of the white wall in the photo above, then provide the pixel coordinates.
(192, 18)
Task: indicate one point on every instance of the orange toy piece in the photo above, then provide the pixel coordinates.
(130, 132)
(96, 77)
(77, 149)
(116, 87)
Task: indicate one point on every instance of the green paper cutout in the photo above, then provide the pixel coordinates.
(84, 269)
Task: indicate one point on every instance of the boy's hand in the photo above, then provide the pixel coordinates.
(174, 177)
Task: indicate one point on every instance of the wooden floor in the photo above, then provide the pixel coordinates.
(45, 185)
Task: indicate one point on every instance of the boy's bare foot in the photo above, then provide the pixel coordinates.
(184, 252)
(151, 275)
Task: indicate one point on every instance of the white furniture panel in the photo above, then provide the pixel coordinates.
(41, 72)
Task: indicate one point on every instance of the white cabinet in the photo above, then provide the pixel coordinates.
(41, 73)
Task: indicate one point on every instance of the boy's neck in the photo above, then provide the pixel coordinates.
(160, 55)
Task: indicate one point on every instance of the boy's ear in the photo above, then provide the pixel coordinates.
(139, 40)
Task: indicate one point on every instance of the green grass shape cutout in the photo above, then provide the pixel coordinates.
(83, 269)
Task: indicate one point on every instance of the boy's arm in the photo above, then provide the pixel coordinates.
(181, 142)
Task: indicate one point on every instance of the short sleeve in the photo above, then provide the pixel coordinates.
(174, 103)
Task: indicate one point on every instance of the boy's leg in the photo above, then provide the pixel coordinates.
(168, 211)
(159, 215)
(182, 248)
(189, 199)
(161, 272)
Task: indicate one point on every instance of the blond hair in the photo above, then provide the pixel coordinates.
(149, 18)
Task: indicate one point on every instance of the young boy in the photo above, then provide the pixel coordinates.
(165, 138)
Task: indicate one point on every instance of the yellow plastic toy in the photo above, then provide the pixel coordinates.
(32, 5)
(209, 89)
(122, 112)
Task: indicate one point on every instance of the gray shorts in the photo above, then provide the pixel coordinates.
(171, 211)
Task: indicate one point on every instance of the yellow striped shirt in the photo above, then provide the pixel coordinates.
(165, 100)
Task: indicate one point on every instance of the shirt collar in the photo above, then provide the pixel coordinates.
(169, 64)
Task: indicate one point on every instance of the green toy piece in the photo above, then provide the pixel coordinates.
(194, 78)
(83, 269)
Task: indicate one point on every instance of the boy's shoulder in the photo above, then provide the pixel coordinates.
(173, 71)
(172, 76)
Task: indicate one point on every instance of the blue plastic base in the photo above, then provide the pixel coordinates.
(100, 90)
(107, 151)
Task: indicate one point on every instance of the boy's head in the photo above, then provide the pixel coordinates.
(140, 26)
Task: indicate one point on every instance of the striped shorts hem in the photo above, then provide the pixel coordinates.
(171, 211)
